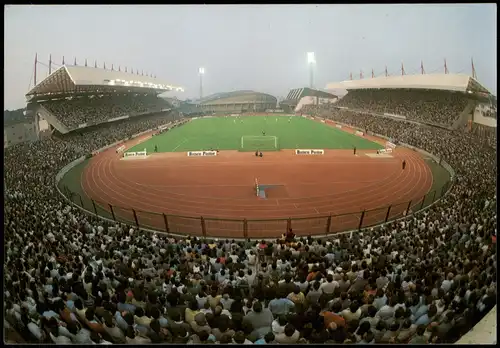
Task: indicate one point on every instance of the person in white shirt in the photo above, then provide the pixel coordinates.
(329, 286)
(289, 336)
(352, 313)
(252, 258)
(278, 325)
(446, 285)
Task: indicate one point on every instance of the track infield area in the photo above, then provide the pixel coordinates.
(320, 193)
(251, 133)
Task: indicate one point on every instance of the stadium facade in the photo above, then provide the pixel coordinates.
(237, 102)
(18, 127)
(297, 98)
(76, 97)
(19, 132)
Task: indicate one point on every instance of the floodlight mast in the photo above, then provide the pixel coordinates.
(311, 60)
(201, 72)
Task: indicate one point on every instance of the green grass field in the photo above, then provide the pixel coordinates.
(226, 133)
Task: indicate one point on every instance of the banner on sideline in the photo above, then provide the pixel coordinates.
(309, 152)
(338, 125)
(165, 126)
(136, 154)
(388, 150)
(120, 149)
(130, 154)
(389, 145)
(359, 133)
(201, 153)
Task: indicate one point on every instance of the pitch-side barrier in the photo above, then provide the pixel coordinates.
(201, 153)
(309, 152)
(137, 154)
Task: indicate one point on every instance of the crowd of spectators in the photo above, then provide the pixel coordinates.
(437, 107)
(91, 110)
(72, 278)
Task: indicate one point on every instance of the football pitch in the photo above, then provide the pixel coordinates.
(247, 134)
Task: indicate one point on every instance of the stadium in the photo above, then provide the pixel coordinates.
(118, 170)
(237, 102)
(135, 217)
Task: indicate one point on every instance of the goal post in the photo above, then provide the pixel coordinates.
(259, 143)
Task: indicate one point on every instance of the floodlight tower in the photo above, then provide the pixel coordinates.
(201, 72)
(311, 60)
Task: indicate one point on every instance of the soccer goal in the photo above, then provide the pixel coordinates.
(260, 143)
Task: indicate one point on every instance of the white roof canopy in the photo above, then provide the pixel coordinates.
(446, 82)
(68, 79)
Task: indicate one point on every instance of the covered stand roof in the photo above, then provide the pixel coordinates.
(444, 82)
(296, 94)
(71, 79)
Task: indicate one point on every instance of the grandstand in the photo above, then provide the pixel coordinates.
(299, 97)
(446, 100)
(74, 97)
(237, 102)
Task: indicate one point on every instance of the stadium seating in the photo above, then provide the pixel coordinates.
(72, 278)
(438, 107)
(85, 110)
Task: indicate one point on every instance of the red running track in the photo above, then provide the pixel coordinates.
(311, 188)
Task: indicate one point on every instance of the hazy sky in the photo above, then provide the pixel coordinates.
(258, 47)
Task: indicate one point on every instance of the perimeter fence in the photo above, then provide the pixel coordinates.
(205, 226)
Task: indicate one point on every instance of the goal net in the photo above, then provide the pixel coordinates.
(259, 143)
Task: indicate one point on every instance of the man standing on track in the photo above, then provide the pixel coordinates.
(404, 164)
(354, 150)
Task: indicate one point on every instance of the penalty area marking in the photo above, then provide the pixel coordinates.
(182, 142)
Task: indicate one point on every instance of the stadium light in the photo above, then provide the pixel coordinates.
(201, 71)
(311, 60)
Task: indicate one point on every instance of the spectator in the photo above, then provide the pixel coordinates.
(289, 336)
(106, 282)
